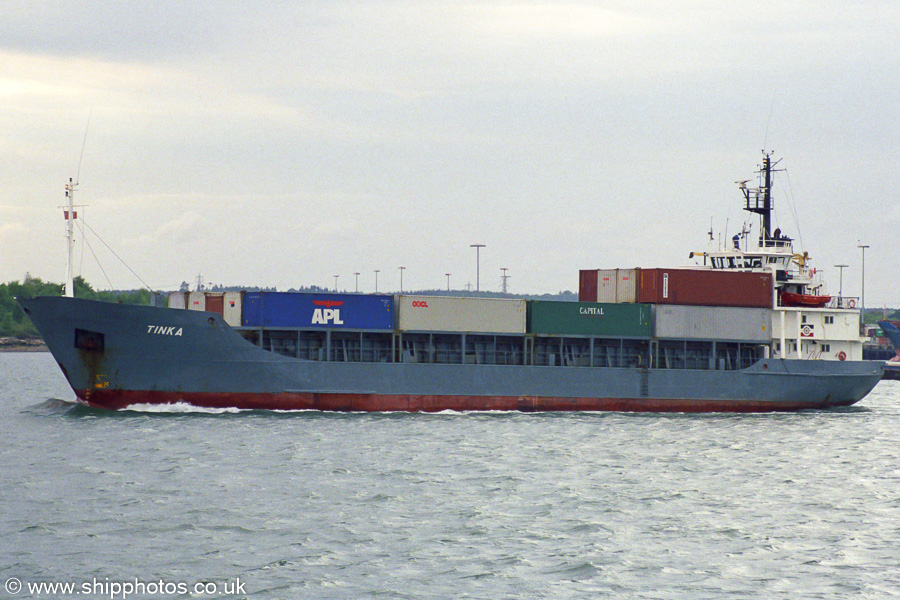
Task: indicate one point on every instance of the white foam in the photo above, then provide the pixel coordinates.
(180, 407)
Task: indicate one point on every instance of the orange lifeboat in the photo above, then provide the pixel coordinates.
(792, 299)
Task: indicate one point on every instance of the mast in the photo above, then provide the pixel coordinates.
(759, 200)
(767, 196)
(70, 237)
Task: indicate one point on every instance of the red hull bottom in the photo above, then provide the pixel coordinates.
(117, 400)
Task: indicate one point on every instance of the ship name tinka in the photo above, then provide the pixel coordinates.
(164, 330)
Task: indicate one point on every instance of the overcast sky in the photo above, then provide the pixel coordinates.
(278, 143)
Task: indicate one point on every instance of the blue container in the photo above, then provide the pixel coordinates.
(328, 311)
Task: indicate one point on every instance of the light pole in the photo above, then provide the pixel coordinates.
(356, 273)
(841, 285)
(862, 298)
(448, 281)
(377, 271)
(478, 248)
(401, 278)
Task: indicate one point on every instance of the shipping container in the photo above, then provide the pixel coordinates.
(178, 300)
(705, 287)
(333, 311)
(608, 285)
(233, 308)
(589, 318)
(618, 285)
(587, 285)
(159, 299)
(196, 301)
(215, 303)
(442, 313)
(673, 321)
(607, 281)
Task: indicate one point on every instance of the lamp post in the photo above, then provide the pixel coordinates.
(862, 298)
(478, 248)
(377, 271)
(841, 285)
(401, 278)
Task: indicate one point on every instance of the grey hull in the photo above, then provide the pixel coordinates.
(117, 355)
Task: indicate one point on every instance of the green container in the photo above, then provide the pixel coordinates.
(588, 318)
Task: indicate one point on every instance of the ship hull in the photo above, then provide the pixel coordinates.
(115, 356)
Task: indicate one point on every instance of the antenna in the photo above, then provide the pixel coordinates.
(768, 121)
(83, 143)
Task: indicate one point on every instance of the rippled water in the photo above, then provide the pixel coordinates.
(311, 505)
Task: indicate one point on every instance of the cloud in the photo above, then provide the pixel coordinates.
(126, 90)
(894, 214)
(181, 227)
(515, 22)
(15, 231)
(186, 227)
(355, 135)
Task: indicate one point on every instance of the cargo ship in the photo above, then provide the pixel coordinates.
(716, 337)
(892, 365)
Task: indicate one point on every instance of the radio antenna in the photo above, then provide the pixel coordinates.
(769, 121)
(83, 143)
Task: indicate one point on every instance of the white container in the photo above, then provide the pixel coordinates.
(727, 323)
(233, 308)
(617, 285)
(606, 285)
(196, 301)
(177, 300)
(442, 313)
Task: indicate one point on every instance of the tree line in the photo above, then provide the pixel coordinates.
(14, 323)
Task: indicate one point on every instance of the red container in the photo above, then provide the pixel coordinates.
(705, 287)
(587, 285)
(215, 303)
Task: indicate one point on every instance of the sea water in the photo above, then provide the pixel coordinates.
(178, 502)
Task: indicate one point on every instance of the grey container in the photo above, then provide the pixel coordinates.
(442, 313)
(677, 321)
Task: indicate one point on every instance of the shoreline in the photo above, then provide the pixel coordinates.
(17, 345)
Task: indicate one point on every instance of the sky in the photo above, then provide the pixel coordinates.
(278, 144)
